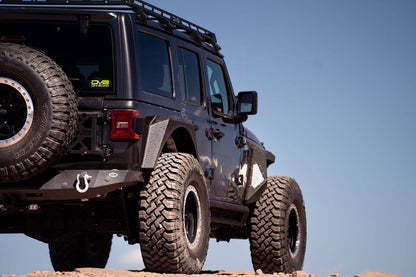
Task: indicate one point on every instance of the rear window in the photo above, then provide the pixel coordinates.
(87, 58)
(154, 65)
(189, 76)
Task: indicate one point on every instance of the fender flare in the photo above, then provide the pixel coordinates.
(159, 130)
(256, 163)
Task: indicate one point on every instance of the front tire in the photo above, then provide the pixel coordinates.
(85, 250)
(174, 216)
(278, 227)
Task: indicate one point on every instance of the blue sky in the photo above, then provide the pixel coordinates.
(337, 95)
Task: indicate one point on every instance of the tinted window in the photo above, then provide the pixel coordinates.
(189, 76)
(87, 58)
(154, 65)
(217, 87)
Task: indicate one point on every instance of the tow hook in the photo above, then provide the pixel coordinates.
(82, 183)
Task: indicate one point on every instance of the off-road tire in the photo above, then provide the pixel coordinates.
(87, 250)
(278, 227)
(38, 112)
(174, 216)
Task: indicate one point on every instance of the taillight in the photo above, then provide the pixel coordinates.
(122, 125)
(12, 38)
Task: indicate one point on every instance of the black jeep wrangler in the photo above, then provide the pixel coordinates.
(117, 117)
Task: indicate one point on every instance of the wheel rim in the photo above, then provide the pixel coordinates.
(16, 111)
(294, 232)
(192, 216)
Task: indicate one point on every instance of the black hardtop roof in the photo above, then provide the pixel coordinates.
(145, 13)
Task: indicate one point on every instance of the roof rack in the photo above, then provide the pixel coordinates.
(172, 22)
(145, 12)
(65, 2)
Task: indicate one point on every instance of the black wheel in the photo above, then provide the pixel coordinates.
(278, 227)
(174, 216)
(87, 250)
(38, 112)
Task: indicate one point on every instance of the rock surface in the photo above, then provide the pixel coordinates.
(98, 272)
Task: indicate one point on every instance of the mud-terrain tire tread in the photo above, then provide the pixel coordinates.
(269, 244)
(69, 252)
(63, 122)
(163, 245)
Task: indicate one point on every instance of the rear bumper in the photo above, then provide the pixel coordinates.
(63, 186)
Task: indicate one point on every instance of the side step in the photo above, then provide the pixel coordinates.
(229, 214)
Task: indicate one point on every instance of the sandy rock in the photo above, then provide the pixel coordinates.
(376, 274)
(98, 272)
(300, 274)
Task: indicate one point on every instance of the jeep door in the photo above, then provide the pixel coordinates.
(226, 155)
(190, 88)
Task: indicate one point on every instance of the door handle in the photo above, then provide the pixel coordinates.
(214, 134)
(217, 133)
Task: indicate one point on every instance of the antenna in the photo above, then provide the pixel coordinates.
(242, 58)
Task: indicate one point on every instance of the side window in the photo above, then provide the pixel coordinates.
(190, 77)
(217, 88)
(154, 65)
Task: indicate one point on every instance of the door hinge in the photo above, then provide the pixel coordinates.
(240, 141)
(209, 173)
(208, 133)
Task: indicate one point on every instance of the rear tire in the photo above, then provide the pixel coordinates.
(86, 250)
(278, 227)
(38, 112)
(174, 216)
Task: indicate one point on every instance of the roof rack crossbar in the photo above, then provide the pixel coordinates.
(172, 22)
(65, 2)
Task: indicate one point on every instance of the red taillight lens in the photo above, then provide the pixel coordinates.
(12, 38)
(122, 125)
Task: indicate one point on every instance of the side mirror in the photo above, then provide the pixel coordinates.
(247, 103)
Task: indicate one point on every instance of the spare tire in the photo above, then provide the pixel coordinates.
(38, 112)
